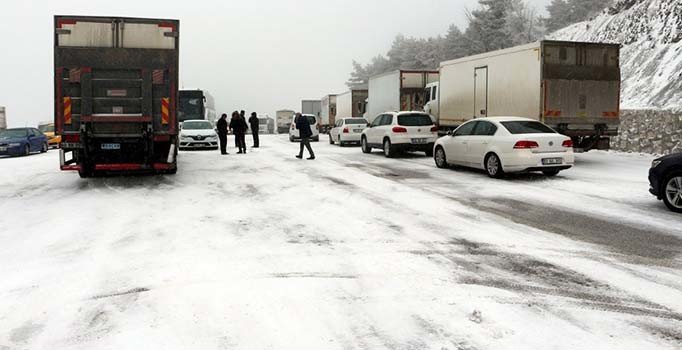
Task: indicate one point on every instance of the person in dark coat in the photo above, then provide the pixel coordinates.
(255, 124)
(239, 128)
(305, 132)
(222, 133)
(242, 114)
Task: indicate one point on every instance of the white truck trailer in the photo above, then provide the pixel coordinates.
(328, 112)
(400, 90)
(313, 107)
(352, 104)
(3, 119)
(284, 118)
(574, 87)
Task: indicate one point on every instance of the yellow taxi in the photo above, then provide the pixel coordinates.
(52, 139)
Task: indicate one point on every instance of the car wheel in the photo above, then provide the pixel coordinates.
(44, 149)
(365, 147)
(493, 166)
(440, 158)
(672, 192)
(27, 150)
(550, 173)
(331, 139)
(388, 149)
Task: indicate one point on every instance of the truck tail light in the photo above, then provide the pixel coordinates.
(399, 129)
(345, 130)
(434, 128)
(73, 138)
(525, 144)
(568, 143)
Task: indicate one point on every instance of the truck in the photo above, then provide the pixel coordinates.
(196, 105)
(266, 125)
(284, 118)
(574, 87)
(3, 119)
(328, 112)
(400, 90)
(352, 104)
(116, 94)
(313, 107)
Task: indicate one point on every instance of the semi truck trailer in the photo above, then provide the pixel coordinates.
(116, 94)
(572, 86)
(352, 104)
(400, 90)
(328, 112)
(313, 107)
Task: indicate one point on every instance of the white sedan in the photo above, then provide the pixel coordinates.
(502, 145)
(198, 134)
(347, 130)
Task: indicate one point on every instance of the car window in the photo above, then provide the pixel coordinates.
(311, 119)
(356, 121)
(465, 129)
(198, 125)
(527, 127)
(377, 120)
(414, 119)
(388, 119)
(485, 129)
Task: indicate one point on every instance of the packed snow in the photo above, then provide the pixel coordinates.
(651, 56)
(350, 251)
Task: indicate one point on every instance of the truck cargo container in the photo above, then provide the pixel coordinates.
(284, 118)
(116, 94)
(266, 125)
(352, 104)
(196, 105)
(328, 113)
(401, 90)
(574, 87)
(313, 107)
(3, 119)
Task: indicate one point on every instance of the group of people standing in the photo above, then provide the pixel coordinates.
(239, 127)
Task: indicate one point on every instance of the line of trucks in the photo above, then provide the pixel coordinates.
(572, 86)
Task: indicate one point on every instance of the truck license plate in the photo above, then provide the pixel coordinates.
(111, 146)
(418, 141)
(552, 161)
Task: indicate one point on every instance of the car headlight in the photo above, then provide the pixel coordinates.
(14, 144)
(655, 163)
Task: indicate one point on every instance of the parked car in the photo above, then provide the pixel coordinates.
(502, 145)
(198, 134)
(665, 178)
(53, 140)
(396, 132)
(22, 142)
(347, 130)
(294, 134)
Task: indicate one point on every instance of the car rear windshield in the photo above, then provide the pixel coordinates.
(197, 126)
(12, 133)
(414, 120)
(311, 119)
(356, 121)
(527, 127)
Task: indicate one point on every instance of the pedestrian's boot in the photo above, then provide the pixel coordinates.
(299, 156)
(311, 158)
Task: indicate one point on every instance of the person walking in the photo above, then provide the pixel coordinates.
(305, 132)
(222, 133)
(255, 124)
(239, 127)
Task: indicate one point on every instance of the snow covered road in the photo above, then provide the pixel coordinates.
(351, 251)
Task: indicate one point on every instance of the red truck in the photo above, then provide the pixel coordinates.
(116, 94)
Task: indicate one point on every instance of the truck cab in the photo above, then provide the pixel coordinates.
(431, 99)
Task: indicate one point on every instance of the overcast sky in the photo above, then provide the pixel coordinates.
(257, 55)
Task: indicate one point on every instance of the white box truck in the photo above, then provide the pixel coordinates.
(3, 119)
(352, 104)
(328, 112)
(400, 90)
(574, 87)
(284, 118)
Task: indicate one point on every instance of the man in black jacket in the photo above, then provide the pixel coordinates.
(239, 128)
(222, 133)
(255, 124)
(303, 126)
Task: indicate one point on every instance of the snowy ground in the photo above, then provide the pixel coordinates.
(351, 251)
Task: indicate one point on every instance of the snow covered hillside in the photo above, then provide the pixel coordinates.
(651, 57)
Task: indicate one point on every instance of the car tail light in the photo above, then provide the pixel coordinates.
(399, 129)
(525, 144)
(568, 144)
(72, 138)
(345, 130)
(435, 128)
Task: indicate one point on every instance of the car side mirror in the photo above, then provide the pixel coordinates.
(369, 125)
(450, 133)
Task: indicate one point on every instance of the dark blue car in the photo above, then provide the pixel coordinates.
(22, 142)
(665, 177)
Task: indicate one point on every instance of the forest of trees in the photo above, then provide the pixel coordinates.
(494, 25)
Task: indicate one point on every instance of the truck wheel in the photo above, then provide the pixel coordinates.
(331, 139)
(365, 146)
(672, 192)
(389, 152)
(493, 166)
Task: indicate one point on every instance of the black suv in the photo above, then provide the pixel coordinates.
(665, 177)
